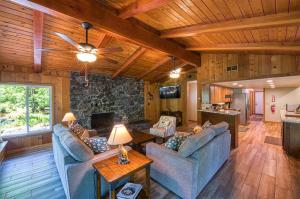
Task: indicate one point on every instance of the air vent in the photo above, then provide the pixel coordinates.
(232, 68)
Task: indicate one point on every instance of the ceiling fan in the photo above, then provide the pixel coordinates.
(86, 52)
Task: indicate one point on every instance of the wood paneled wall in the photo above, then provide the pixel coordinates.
(156, 105)
(151, 102)
(61, 102)
(250, 66)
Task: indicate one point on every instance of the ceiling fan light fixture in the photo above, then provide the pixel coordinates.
(86, 57)
(174, 74)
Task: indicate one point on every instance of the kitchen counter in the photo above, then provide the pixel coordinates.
(289, 119)
(290, 133)
(225, 112)
(229, 116)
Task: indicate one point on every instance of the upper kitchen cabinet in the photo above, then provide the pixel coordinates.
(218, 94)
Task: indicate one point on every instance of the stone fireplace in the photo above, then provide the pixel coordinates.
(120, 96)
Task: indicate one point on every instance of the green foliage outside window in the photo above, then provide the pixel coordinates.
(13, 107)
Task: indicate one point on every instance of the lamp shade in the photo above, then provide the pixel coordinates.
(119, 135)
(69, 117)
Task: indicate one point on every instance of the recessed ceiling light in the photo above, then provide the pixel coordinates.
(269, 81)
(240, 85)
(235, 83)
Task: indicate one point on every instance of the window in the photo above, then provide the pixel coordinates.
(25, 109)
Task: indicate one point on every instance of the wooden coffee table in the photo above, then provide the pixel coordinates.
(140, 138)
(113, 172)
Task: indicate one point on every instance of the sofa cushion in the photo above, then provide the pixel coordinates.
(220, 128)
(194, 142)
(175, 142)
(97, 144)
(60, 130)
(76, 148)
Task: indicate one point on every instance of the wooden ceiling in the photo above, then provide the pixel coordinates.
(147, 30)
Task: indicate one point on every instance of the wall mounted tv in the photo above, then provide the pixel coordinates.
(168, 92)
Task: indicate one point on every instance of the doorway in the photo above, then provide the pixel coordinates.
(259, 102)
(192, 101)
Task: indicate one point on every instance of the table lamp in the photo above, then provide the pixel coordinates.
(69, 118)
(119, 136)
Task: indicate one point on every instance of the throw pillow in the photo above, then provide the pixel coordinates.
(85, 134)
(197, 129)
(163, 123)
(77, 129)
(97, 144)
(175, 142)
(206, 125)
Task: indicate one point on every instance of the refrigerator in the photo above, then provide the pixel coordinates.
(241, 101)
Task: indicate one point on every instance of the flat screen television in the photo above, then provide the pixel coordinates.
(168, 92)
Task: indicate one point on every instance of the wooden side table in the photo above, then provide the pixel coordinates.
(113, 172)
(2, 150)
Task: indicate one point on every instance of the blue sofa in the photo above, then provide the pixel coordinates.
(188, 171)
(78, 177)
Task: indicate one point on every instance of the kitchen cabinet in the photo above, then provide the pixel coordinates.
(218, 93)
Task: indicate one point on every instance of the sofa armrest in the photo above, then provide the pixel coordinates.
(108, 154)
(155, 125)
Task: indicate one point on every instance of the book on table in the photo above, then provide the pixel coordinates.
(129, 191)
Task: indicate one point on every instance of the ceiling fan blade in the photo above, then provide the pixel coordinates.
(56, 50)
(109, 50)
(68, 39)
(110, 60)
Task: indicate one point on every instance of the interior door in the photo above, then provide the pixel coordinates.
(192, 101)
(259, 100)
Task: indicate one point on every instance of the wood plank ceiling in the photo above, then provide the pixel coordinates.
(256, 26)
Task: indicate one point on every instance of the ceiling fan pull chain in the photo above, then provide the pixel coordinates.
(86, 75)
(86, 35)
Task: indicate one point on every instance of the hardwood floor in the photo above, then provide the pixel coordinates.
(33, 175)
(255, 170)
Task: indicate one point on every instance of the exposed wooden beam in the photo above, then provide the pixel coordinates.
(141, 6)
(139, 52)
(283, 19)
(38, 24)
(267, 46)
(95, 13)
(103, 40)
(156, 66)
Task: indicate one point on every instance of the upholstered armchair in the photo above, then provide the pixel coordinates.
(165, 127)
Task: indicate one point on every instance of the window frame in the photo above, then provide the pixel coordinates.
(27, 116)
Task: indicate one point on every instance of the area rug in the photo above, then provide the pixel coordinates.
(273, 140)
